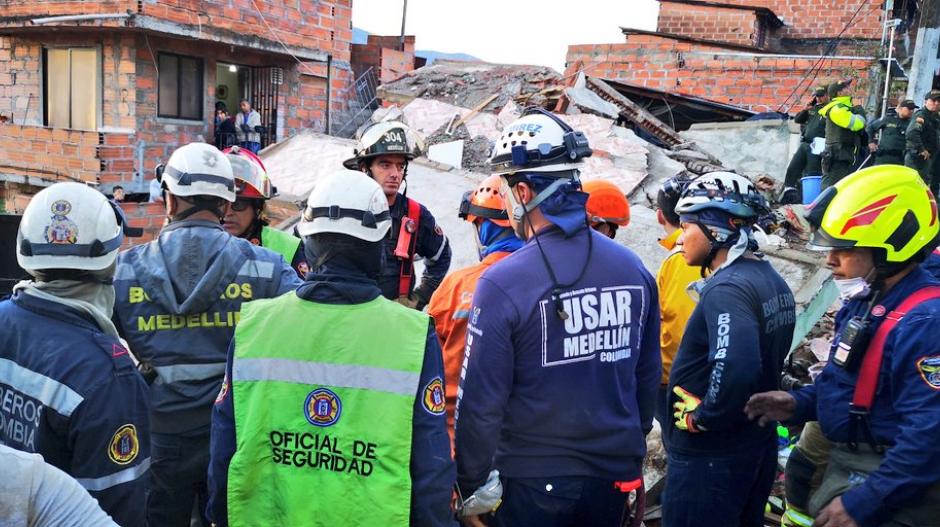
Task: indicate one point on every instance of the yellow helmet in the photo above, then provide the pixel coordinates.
(882, 207)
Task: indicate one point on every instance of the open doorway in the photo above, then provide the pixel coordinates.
(259, 86)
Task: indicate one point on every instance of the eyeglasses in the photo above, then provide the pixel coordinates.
(241, 205)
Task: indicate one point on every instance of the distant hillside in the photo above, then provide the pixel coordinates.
(434, 55)
(361, 36)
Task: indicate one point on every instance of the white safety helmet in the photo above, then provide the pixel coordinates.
(69, 226)
(347, 202)
(538, 142)
(198, 169)
(726, 191)
(385, 138)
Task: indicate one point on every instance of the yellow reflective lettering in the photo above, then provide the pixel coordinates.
(192, 321)
(232, 291)
(246, 291)
(146, 324)
(178, 321)
(136, 295)
(163, 322)
(204, 320)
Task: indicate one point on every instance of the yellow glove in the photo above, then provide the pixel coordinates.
(684, 407)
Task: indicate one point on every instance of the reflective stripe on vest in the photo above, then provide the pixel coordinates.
(322, 404)
(281, 242)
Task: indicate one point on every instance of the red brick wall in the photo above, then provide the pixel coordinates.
(817, 19)
(147, 216)
(382, 53)
(756, 82)
(735, 26)
(47, 153)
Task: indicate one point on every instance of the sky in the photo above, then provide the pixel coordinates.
(507, 31)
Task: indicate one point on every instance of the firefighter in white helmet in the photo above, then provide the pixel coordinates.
(178, 301)
(69, 388)
(358, 433)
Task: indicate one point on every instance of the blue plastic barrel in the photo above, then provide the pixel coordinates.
(812, 185)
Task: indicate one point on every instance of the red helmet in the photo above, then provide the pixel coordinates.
(485, 202)
(606, 202)
(251, 178)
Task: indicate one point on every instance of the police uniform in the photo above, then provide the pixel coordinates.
(178, 302)
(843, 141)
(892, 143)
(804, 161)
(923, 136)
(70, 392)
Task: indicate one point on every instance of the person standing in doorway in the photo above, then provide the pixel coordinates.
(246, 123)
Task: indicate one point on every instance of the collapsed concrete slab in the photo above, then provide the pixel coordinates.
(751, 147)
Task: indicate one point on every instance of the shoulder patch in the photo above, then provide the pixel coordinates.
(223, 391)
(124, 445)
(433, 398)
(322, 407)
(929, 369)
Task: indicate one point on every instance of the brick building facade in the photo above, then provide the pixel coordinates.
(384, 55)
(762, 55)
(103, 91)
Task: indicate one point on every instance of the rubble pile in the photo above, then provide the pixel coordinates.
(471, 84)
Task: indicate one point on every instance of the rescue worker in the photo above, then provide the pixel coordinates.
(923, 141)
(804, 161)
(559, 384)
(68, 388)
(844, 125)
(246, 218)
(932, 264)
(383, 152)
(358, 434)
(733, 346)
(37, 494)
(893, 127)
(877, 398)
(178, 300)
(673, 280)
(607, 206)
(484, 209)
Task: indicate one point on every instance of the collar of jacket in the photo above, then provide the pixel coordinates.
(669, 242)
(173, 225)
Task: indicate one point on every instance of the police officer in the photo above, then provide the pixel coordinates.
(246, 217)
(923, 141)
(334, 425)
(68, 387)
(890, 147)
(383, 152)
(878, 398)
(844, 124)
(804, 161)
(178, 300)
(450, 305)
(733, 346)
(559, 385)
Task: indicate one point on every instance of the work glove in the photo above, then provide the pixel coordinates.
(684, 407)
(484, 500)
(406, 301)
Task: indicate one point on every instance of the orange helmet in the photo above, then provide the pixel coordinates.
(606, 203)
(251, 178)
(485, 202)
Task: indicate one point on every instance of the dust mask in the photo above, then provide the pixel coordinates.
(852, 288)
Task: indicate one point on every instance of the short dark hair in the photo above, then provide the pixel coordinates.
(219, 105)
(117, 187)
(667, 203)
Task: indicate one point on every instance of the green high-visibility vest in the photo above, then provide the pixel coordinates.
(281, 242)
(324, 398)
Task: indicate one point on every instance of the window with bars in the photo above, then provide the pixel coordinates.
(71, 88)
(180, 92)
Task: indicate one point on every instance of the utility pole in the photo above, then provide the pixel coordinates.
(404, 11)
(925, 61)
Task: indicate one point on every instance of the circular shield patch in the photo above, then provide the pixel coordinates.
(878, 310)
(434, 400)
(322, 407)
(124, 445)
(929, 368)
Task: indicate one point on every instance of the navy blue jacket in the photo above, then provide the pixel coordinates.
(178, 300)
(932, 264)
(432, 469)
(906, 411)
(733, 347)
(544, 397)
(70, 392)
(431, 245)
